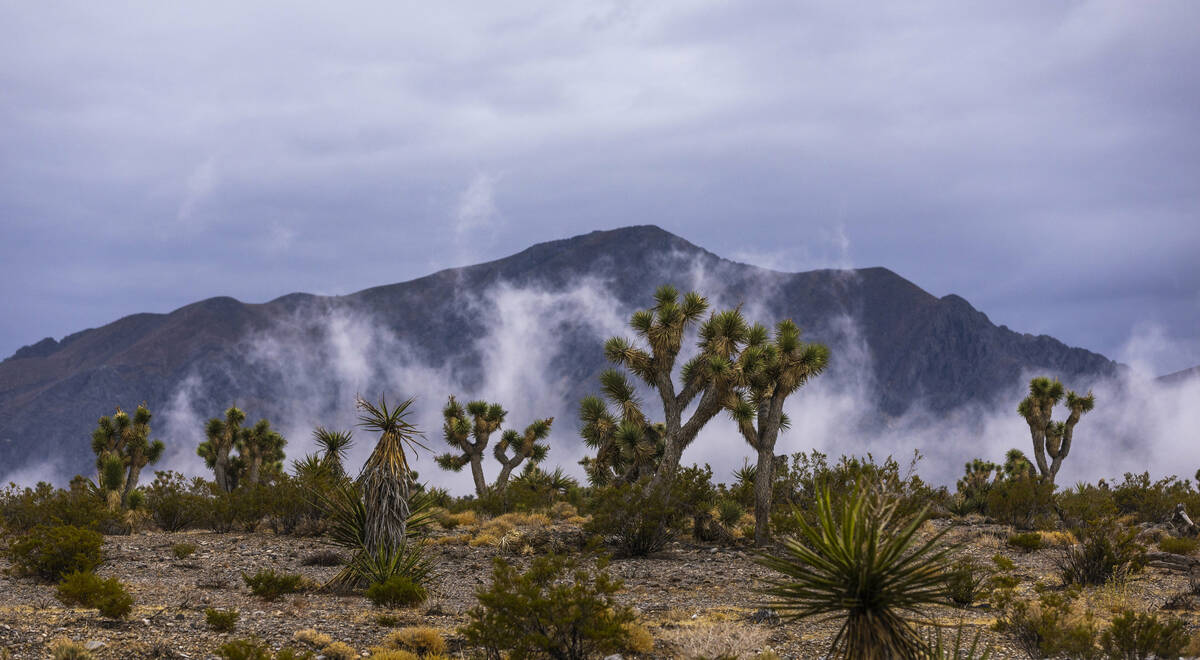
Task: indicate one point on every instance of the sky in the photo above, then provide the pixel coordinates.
(1042, 160)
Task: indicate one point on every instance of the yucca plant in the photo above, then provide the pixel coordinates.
(384, 482)
(862, 562)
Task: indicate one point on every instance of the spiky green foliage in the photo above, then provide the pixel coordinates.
(223, 436)
(973, 488)
(861, 562)
(628, 446)
(123, 447)
(526, 445)
(87, 589)
(261, 451)
(1050, 437)
(708, 378)
(469, 430)
(384, 480)
(767, 373)
(333, 447)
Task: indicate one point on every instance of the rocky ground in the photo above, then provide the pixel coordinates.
(692, 598)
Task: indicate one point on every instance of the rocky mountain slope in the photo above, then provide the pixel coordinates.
(911, 346)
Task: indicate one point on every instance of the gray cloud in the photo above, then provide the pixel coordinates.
(1037, 159)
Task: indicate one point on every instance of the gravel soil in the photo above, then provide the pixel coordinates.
(692, 598)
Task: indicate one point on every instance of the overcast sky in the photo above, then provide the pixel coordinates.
(1041, 159)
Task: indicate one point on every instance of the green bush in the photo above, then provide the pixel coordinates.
(221, 620)
(1185, 545)
(22, 509)
(52, 552)
(396, 591)
(1153, 502)
(556, 608)
(1139, 636)
(729, 512)
(965, 581)
(1085, 504)
(1046, 629)
(1105, 551)
(269, 585)
(183, 550)
(89, 590)
(174, 502)
(635, 521)
(1026, 542)
(1025, 502)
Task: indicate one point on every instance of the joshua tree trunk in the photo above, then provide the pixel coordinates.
(131, 481)
(477, 474)
(764, 477)
(254, 470)
(222, 472)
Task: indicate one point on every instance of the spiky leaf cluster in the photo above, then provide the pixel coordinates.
(526, 445)
(628, 446)
(384, 481)
(259, 450)
(469, 429)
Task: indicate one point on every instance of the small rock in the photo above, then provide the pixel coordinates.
(93, 644)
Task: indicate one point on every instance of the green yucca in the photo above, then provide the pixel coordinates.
(384, 480)
(860, 561)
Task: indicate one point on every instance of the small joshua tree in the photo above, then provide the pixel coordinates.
(223, 436)
(261, 451)
(470, 436)
(384, 482)
(525, 445)
(770, 372)
(628, 446)
(122, 446)
(333, 446)
(1051, 437)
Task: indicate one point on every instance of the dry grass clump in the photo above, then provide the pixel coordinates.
(563, 510)
(1058, 539)
(484, 539)
(579, 520)
(385, 654)
(455, 520)
(726, 639)
(65, 649)
(339, 651)
(455, 539)
(313, 638)
(640, 639)
(420, 639)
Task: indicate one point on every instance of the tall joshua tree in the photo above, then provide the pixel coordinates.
(223, 436)
(1051, 437)
(122, 446)
(526, 445)
(708, 379)
(384, 480)
(628, 446)
(770, 372)
(261, 450)
(470, 436)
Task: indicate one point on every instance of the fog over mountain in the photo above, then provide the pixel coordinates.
(909, 370)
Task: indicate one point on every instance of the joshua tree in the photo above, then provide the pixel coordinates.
(1051, 437)
(708, 378)
(122, 446)
(261, 450)
(525, 445)
(223, 436)
(628, 447)
(385, 478)
(770, 371)
(459, 431)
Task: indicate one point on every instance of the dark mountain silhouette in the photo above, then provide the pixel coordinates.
(1183, 375)
(939, 352)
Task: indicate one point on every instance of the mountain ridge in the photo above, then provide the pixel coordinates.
(941, 352)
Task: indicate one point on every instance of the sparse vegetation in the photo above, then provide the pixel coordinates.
(52, 552)
(396, 591)
(88, 590)
(269, 585)
(221, 620)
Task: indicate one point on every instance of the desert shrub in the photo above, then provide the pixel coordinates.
(1026, 541)
(798, 485)
(860, 560)
(1084, 504)
(22, 509)
(174, 502)
(1023, 501)
(52, 552)
(64, 649)
(1179, 545)
(635, 521)
(289, 505)
(339, 651)
(555, 608)
(89, 590)
(720, 640)
(1105, 551)
(1046, 628)
(244, 649)
(959, 648)
(418, 639)
(221, 620)
(311, 637)
(183, 550)
(1142, 636)
(971, 491)
(269, 585)
(1155, 501)
(535, 489)
(323, 558)
(965, 580)
(396, 591)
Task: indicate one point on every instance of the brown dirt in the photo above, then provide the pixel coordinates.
(689, 596)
